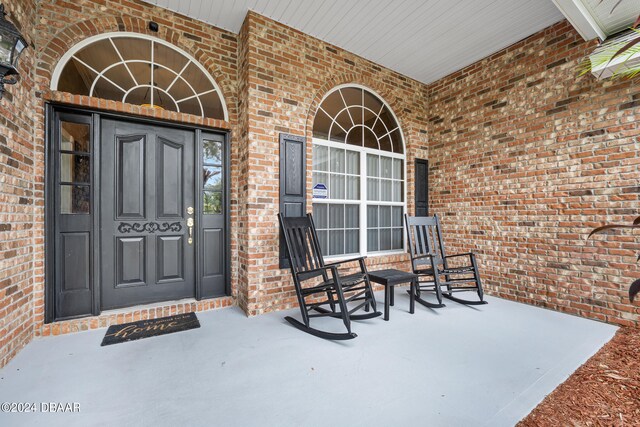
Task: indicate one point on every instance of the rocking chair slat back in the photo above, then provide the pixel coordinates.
(302, 243)
(425, 238)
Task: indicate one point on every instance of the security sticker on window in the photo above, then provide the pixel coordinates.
(320, 191)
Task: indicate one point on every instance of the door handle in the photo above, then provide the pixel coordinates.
(190, 227)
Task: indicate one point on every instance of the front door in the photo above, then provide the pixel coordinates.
(147, 208)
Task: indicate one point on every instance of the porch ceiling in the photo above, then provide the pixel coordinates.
(425, 40)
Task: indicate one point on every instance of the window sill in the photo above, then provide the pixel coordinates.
(371, 255)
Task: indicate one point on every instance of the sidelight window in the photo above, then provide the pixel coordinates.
(212, 175)
(358, 174)
(75, 168)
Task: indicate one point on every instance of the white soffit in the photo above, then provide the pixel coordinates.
(599, 18)
(422, 39)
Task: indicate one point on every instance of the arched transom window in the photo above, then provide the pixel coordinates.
(358, 174)
(142, 70)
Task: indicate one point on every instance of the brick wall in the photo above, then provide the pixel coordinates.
(525, 159)
(17, 200)
(287, 75)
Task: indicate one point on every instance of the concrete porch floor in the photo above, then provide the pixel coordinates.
(455, 366)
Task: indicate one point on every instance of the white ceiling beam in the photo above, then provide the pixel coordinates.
(581, 19)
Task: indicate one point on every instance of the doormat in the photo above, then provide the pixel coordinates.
(150, 328)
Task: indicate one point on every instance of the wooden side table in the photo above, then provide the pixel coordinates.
(389, 278)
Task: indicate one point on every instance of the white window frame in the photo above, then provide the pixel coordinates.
(363, 202)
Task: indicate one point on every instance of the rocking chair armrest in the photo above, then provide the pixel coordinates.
(345, 261)
(421, 257)
(469, 254)
(312, 272)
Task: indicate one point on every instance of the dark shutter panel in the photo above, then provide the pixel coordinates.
(293, 197)
(422, 187)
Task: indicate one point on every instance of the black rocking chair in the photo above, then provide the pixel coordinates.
(334, 291)
(429, 261)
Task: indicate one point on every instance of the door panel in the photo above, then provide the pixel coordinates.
(213, 246)
(170, 258)
(170, 161)
(130, 258)
(145, 252)
(75, 275)
(130, 164)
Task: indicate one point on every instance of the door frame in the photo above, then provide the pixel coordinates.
(51, 112)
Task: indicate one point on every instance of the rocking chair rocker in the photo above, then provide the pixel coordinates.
(334, 290)
(429, 260)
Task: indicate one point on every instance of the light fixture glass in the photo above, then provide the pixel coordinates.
(12, 44)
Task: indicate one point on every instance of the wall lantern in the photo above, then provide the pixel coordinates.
(11, 46)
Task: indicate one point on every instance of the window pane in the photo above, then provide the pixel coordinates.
(336, 216)
(372, 188)
(321, 125)
(321, 178)
(320, 215)
(385, 216)
(212, 202)
(396, 219)
(397, 169)
(385, 190)
(370, 139)
(333, 103)
(352, 216)
(336, 242)
(397, 191)
(74, 136)
(324, 242)
(352, 241)
(372, 216)
(385, 143)
(385, 239)
(212, 152)
(337, 160)
(75, 168)
(385, 167)
(353, 162)
(74, 199)
(355, 136)
(353, 188)
(397, 141)
(336, 187)
(320, 158)
(212, 178)
(372, 165)
(396, 238)
(372, 240)
(372, 102)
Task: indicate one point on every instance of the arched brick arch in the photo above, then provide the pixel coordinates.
(357, 79)
(52, 52)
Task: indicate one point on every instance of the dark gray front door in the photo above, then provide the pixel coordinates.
(147, 214)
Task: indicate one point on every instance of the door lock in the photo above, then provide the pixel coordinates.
(190, 226)
(190, 210)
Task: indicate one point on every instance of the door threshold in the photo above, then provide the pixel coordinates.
(152, 305)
